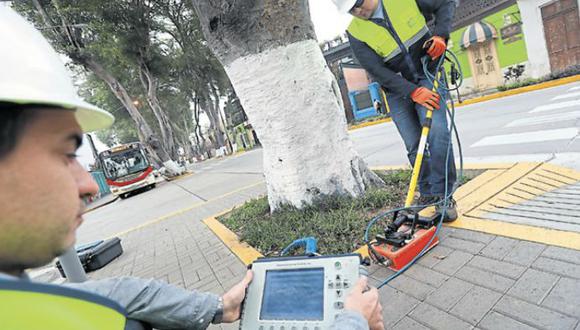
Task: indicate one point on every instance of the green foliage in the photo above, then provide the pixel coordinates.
(125, 37)
(338, 222)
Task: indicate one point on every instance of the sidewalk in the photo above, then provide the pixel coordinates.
(506, 263)
(475, 279)
(486, 273)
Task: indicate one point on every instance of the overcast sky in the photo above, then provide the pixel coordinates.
(328, 22)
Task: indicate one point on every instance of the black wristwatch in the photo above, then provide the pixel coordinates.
(219, 313)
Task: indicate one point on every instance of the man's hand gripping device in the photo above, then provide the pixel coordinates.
(304, 292)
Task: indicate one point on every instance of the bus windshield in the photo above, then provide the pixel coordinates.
(123, 163)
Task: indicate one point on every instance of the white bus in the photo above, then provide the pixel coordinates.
(127, 168)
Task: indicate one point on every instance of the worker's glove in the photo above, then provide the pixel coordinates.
(435, 47)
(425, 97)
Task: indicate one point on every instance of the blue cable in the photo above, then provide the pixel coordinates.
(443, 90)
(309, 244)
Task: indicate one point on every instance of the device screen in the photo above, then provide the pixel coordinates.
(296, 294)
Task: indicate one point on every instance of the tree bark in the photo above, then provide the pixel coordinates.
(270, 54)
(220, 119)
(167, 135)
(146, 134)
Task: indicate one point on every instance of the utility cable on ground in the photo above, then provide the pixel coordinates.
(444, 91)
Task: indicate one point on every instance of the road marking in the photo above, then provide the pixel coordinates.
(556, 106)
(183, 210)
(566, 96)
(545, 119)
(528, 137)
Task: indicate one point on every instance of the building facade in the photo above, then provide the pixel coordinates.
(496, 42)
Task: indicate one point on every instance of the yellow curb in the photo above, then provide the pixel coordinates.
(515, 91)
(544, 178)
(243, 251)
(370, 123)
(493, 187)
(248, 254)
(489, 185)
(560, 238)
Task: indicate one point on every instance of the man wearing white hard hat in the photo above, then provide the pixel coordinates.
(42, 188)
(389, 38)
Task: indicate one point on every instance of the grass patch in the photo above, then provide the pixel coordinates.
(338, 222)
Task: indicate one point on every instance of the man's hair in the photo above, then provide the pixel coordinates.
(13, 121)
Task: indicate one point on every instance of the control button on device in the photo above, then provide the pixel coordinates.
(330, 284)
(338, 285)
(337, 265)
(339, 305)
(346, 284)
(339, 293)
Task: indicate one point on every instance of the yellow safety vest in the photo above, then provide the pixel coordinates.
(407, 21)
(35, 306)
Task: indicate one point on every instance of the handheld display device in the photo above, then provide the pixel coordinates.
(299, 293)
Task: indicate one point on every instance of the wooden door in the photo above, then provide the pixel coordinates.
(484, 65)
(562, 31)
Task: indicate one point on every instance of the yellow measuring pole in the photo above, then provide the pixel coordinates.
(420, 152)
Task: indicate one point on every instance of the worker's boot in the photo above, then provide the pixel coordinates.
(450, 210)
(426, 200)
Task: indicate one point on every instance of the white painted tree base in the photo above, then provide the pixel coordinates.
(294, 104)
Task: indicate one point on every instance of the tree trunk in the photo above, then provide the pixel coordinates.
(270, 54)
(211, 113)
(146, 134)
(220, 118)
(150, 84)
(202, 144)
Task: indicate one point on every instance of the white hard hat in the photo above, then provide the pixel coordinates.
(31, 72)
(344, 6)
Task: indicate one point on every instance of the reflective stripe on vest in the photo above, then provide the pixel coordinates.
(31, 306)
(407, 21)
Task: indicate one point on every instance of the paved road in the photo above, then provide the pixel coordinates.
(535, 126)
(526, 127)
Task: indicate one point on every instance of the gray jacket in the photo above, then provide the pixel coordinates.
(166, 306)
